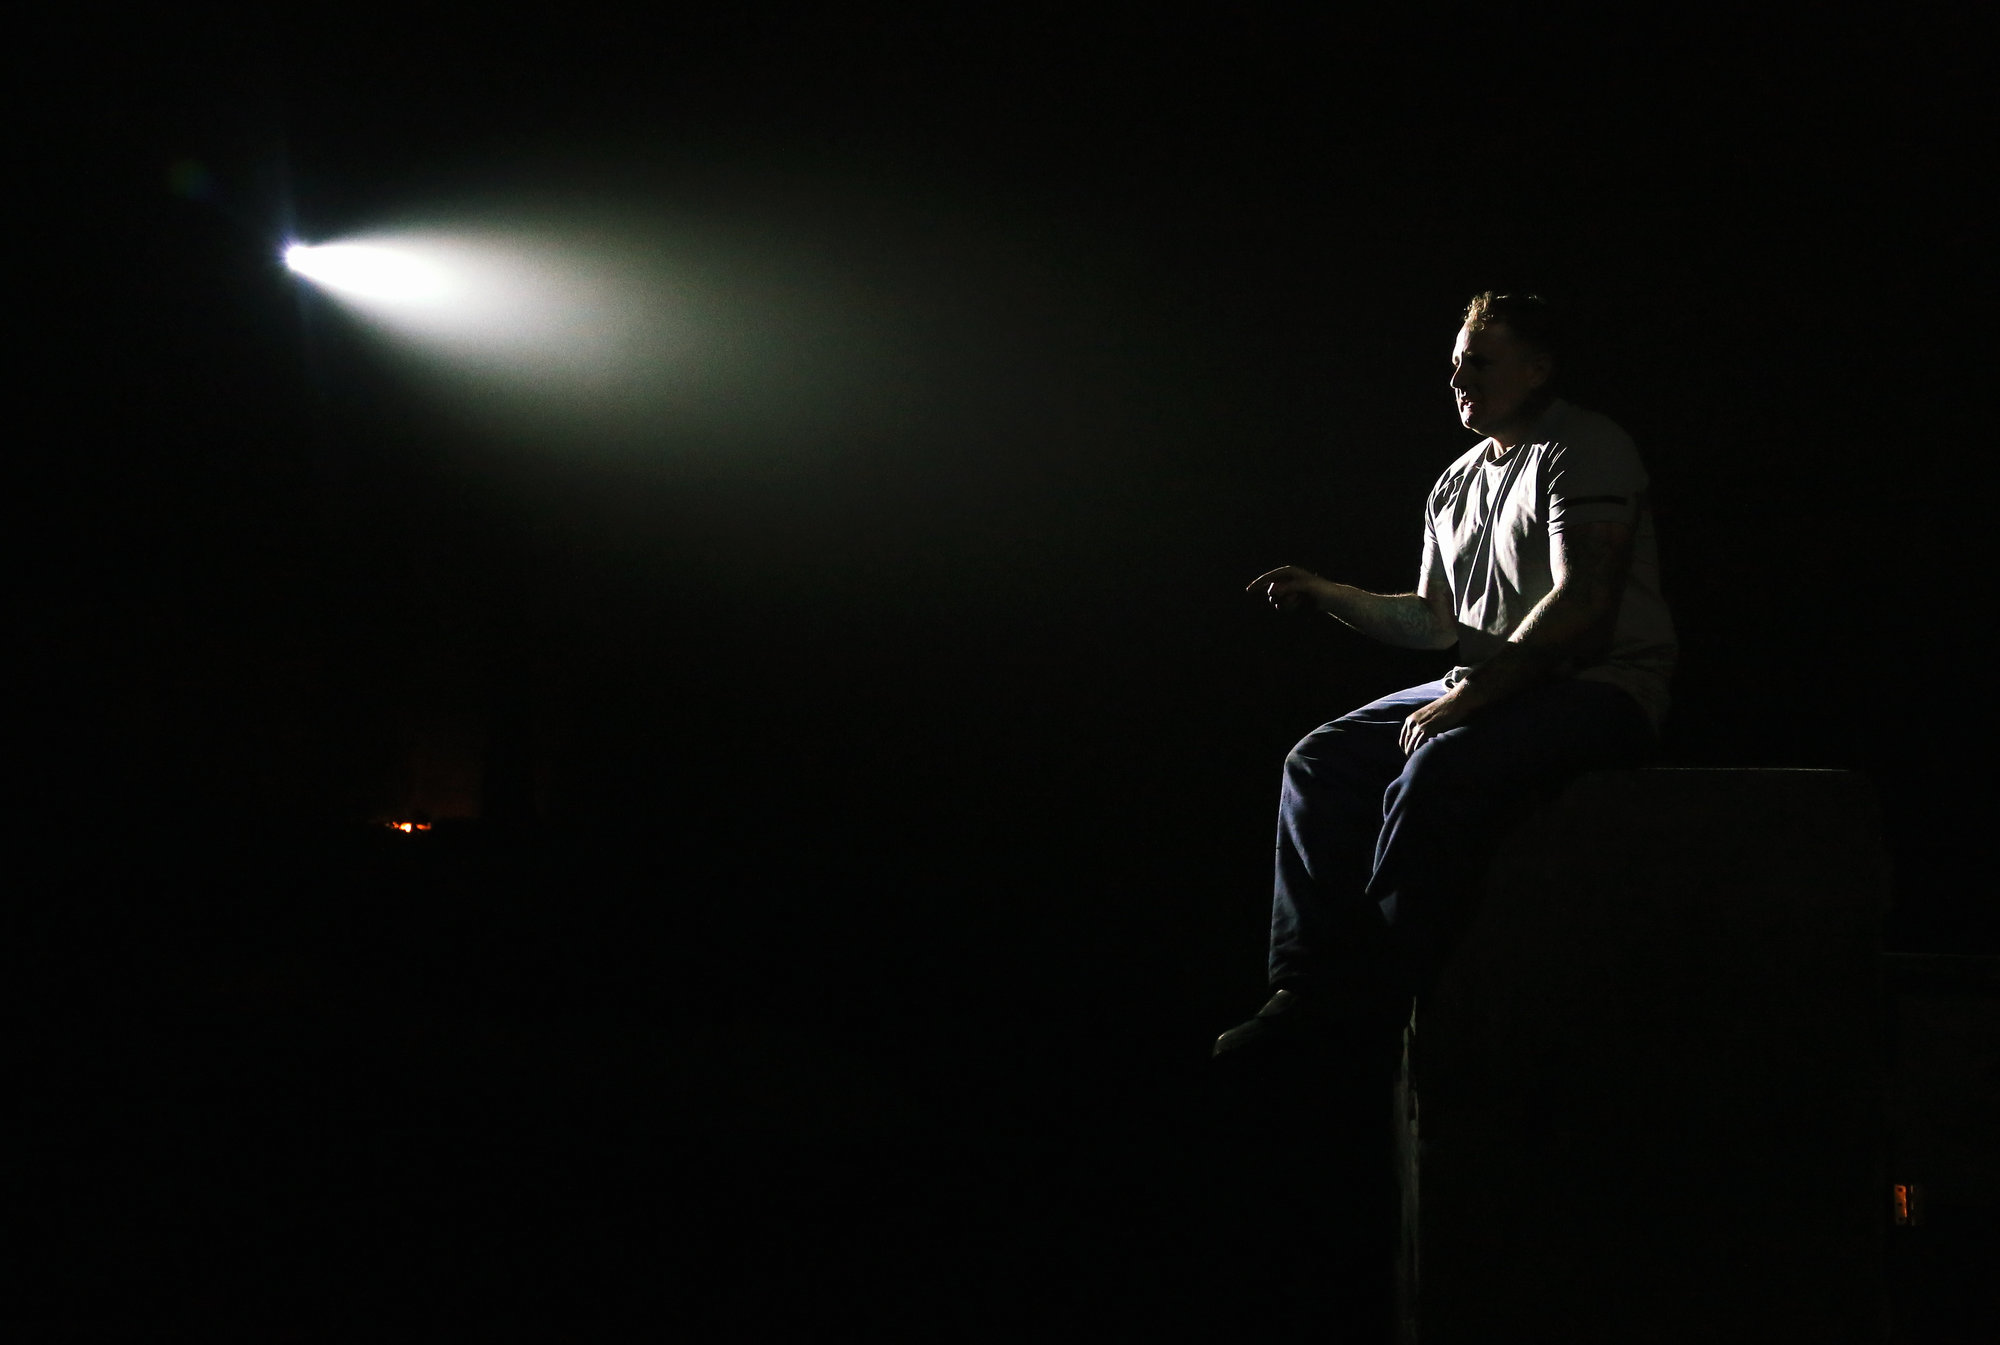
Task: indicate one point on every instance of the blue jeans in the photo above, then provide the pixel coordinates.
(1381, 856)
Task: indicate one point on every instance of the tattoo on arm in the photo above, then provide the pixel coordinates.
(1414, 621)
(1591, 562)
(1573, 624)
(1402, 619)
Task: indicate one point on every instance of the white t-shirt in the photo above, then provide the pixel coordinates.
(1489, 530)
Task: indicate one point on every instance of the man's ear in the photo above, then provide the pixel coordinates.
(1543, 369)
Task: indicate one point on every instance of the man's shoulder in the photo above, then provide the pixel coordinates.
(1585, 455)
(1569, 428)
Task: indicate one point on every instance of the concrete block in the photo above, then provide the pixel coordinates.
(1644, 1102)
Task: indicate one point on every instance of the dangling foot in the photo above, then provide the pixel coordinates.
(1287, 1019)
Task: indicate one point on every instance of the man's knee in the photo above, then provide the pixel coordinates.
(1321, 755)
(1313, 746)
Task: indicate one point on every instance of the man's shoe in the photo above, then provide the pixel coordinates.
(1285, 1019)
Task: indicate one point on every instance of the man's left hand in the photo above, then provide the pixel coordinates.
(1446, 712)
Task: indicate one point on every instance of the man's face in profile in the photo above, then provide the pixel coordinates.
(1495, 378)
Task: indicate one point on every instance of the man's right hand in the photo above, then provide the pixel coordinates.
(1406, 620)
(1289, 588)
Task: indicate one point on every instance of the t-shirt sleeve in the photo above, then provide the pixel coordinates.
(1432, 567)
(1594, 480)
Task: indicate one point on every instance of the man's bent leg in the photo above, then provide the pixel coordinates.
(1327, 935)
(1329, 818)
(1446, 814)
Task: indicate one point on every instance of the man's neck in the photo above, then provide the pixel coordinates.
(1518, 428)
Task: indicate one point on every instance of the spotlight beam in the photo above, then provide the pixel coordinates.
(517, 306)
(373, 273)
(602, 326)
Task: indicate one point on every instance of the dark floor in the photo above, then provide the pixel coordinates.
(375, 1087)
(360, 1086)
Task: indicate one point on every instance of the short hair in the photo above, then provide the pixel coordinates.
(1531, 318)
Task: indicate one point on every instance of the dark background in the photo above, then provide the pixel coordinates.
(897, 783)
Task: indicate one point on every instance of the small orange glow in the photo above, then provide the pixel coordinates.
(409, 826)
(1908, 1203)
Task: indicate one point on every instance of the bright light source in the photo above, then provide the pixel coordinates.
(373, 272)
(613, 325)
(508, 303)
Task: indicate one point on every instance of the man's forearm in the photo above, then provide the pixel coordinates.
(1401, 619)
(1563, 631)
